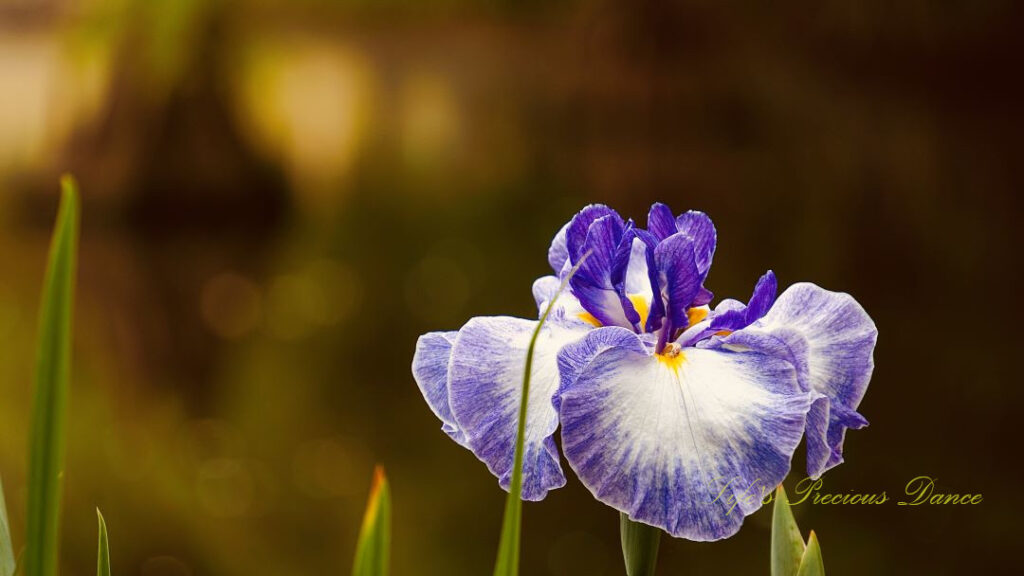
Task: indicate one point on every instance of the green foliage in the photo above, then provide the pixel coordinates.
(373, 551)
(53, 371)
(103, 551)
(639, 546)
(811, 564)
(7, 562)
(790, 556)
(511, 526)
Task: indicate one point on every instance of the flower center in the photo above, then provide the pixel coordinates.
(671, 355)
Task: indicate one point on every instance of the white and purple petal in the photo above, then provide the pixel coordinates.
(689, 444)
(830, 340)
(641, 278)
(544, 289)
(485, 386)
(430, 370)
(558, 252)
(567, 311)
(635, 276)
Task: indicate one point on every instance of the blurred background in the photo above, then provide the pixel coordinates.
(280, 196)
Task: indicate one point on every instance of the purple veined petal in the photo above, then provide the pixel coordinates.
(642, 281)
(696, 335)
(703, 297)
(700, 229)
(485, 384)
(637, 284)
(593, 285)
(830, 340)
(689, 444)
(660, 221)
(430, 370)
(826, 430)
(633, 275)
(635, 279)
(579, 229)
(567, 310)
(678, 277)
(558, 253)
(636, 276)
(840, 420)
(763, 297)
(733, 317)
(816, 432)
(622, 256)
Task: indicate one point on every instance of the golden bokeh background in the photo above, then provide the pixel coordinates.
(279, 196)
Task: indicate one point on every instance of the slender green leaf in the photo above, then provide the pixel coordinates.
(639, 546)
(373, 551)
(7, 562)
(787, 544)
(103, 552)
(811, 564)
(508, 547)
(53, 371)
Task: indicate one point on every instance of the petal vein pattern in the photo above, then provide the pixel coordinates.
(686, 444)
(485, 383)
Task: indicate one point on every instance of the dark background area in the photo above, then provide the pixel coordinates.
(279, 197)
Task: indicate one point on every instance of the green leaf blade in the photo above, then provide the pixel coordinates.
(7, 559)
(53, 371)
(507, 563)
(787, 544)
(373, 551)
(103, 548)
(639, 546)
(812, 564)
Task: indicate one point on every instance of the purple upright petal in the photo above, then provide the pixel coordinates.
(592, 284)
(656, 310)
(730, 317)
(579, 228)
(703, 297)
(635, 275)
(700, 229)
(631, 275)
(660, 221)
(679, 279)
(764, 296)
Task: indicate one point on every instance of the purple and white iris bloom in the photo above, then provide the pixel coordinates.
(671, 412)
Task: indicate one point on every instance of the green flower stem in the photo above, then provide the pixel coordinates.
(507, 563)
(639, 546)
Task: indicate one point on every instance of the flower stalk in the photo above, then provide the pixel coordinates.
(639, 546)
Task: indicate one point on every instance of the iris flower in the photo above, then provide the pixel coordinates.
(672, 412)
